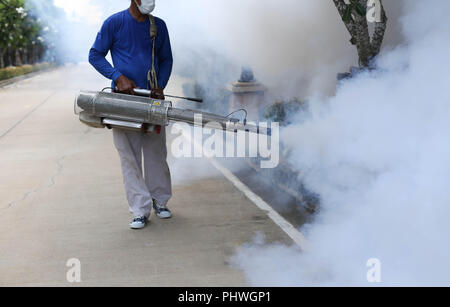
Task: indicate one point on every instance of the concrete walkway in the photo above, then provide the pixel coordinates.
(61, 197)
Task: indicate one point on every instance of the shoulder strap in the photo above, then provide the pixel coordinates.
(153, 27)
(151, 75)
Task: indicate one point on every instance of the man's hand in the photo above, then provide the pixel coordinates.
(125, 85)
(158, 94)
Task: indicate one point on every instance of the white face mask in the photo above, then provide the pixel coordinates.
(146, 7)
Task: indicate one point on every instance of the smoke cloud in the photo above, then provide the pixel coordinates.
(295, 47)
(378, 155)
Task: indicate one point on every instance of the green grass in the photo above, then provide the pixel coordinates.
(11, 72)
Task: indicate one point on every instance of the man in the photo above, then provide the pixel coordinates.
(132, 36)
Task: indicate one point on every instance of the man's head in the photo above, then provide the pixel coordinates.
(146, 7)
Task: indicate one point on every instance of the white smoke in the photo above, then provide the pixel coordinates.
(379, 156)
(296, 47)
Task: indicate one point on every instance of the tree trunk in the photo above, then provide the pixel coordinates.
(32, 55)
(8, 57)
(24, 54)
(380, 30)
(17, 60)
(357, 25)
(2, 60)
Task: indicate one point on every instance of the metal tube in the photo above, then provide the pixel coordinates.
(124, 107)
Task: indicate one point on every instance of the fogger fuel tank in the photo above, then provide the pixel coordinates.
(112, 110)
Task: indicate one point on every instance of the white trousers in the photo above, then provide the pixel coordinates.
(153, 181)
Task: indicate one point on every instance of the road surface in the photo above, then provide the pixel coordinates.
(61, 197)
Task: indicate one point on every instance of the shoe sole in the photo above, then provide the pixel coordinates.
(164, 217)
(137, 227)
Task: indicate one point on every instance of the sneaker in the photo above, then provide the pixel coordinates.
(161, 210)
(139, 222)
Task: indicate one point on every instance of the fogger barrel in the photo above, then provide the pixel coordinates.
(112, 110)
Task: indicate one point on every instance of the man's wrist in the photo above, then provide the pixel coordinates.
(116, 76)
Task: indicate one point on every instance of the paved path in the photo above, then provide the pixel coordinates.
(61, 197)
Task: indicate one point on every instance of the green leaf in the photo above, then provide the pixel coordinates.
(361, 10)
(348, 14)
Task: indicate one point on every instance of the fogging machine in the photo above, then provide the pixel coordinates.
(140, 113)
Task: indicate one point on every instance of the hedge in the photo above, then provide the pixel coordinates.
(12, 71)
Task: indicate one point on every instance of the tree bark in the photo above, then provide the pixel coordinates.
(24, 56)
(8, 57)
(17, 60)
(380, 30)
(358, 27)
(2, 61)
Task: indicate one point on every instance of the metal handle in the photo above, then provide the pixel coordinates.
(146, 93)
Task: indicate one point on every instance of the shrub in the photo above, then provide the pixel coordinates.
(12, 71)
(282, 111)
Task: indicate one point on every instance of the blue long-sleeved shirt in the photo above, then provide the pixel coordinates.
(131, 50)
